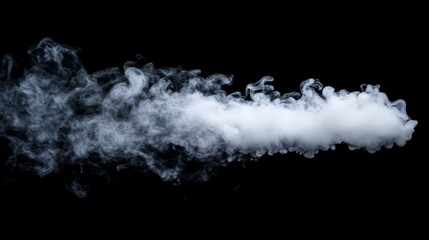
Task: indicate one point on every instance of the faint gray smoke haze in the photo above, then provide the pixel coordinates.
(175, 123)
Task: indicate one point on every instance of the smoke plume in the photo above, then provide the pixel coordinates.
(173, 122)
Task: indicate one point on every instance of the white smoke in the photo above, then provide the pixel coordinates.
(175, 123)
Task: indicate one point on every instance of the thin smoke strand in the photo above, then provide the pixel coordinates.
(174, 123)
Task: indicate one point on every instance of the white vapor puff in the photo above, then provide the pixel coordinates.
(175, 123)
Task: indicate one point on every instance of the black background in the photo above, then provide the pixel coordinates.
(343, 48)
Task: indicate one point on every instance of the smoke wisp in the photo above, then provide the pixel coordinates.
(173, 122)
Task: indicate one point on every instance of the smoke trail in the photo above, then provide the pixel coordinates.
(173, 122)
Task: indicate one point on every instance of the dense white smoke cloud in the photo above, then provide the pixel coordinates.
(175, 123)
